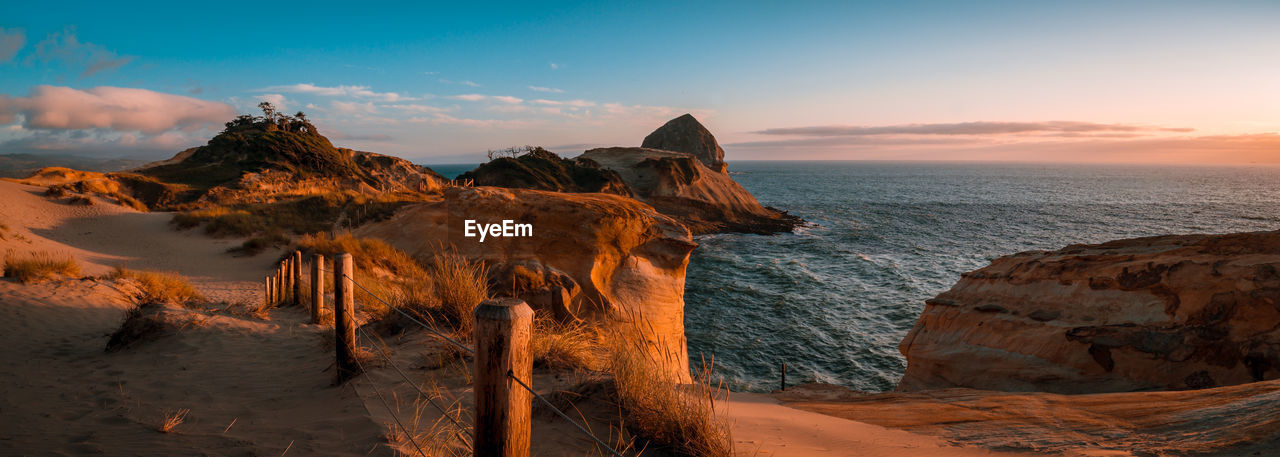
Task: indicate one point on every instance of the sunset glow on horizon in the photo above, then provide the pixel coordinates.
(1106, 82)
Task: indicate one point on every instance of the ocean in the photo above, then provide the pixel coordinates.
(833, 299)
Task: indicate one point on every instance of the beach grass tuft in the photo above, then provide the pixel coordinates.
(39, 265)
(159, 287)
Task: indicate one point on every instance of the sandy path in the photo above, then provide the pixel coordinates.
(61, 394)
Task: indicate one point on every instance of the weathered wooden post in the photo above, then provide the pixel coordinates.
(279, 283)
(286, 273)
(784, 375)
(503, 331)
(317, 288)
(344, 325)
(296, 274)
(267, 291)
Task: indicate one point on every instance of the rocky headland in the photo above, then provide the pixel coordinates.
(1168, 312)
(679, 170)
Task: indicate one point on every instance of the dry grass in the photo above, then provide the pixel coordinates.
(447, 289)
(159, 287)
(564, 346)
(39, 265)
(257, 244)
(658, 409)
(172, 419)
(220, 221)
(101, 187)
(434, 433)
(460, 284)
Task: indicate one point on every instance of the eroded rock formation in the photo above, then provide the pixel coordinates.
(1170, 312)
(680, 170)
(685, 134)
(598, 257)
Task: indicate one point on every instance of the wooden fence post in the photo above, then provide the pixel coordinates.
(286, 272)
(279, 283)
(317, 288)
(344, 310)
(267, 298)
(296, 274)
(503, 331)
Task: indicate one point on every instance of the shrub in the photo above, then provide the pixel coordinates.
(257, 244)
(39, 265)
(660, 410)
(563, 346)
(460, 284)
(159, 287)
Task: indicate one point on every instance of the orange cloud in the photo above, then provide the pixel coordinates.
(114, 108)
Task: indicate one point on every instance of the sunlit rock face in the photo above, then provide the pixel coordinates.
(602, 258)
(1169, 312)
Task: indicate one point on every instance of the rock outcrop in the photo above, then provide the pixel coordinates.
(255, 159)
(603, 258)
(685, 134)
(680, 170)
(541, 169)
(1170, 312)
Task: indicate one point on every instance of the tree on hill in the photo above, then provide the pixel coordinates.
(271, 119)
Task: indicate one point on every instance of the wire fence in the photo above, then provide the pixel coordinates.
(382, 352)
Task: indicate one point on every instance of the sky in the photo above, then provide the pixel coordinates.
(1106, 81)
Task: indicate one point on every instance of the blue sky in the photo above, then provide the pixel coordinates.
(1060, 81)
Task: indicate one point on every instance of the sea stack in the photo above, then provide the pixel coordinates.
(685, 134)
(1168, 312)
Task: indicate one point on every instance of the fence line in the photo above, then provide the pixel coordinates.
(430, 400)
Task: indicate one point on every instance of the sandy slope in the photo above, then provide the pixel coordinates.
(764, 427)
(63, 395)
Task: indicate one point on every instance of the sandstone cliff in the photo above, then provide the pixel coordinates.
(1170, 312)
(602, 258)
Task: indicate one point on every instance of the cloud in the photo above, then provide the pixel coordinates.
(336, 91)
(572, 103)
(113, 108)
(546, 89)
(354, 107)
(100, 143)
(11, 41)
(337, 135)
(479, 98)
(418, 108)
(463, 82)
(64, 47)
(966, 128)
(554, 66)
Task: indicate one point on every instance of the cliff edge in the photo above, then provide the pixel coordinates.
(601, 258)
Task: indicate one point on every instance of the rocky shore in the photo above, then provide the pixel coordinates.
(1168, 312)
